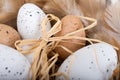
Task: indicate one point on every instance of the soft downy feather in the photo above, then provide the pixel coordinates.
(62, 7)
(39, 3)
(76, 7)
(92, 8)
(8, 11)
(95, 8)
(112, 17)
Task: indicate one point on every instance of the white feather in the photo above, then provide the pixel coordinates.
(112, 16)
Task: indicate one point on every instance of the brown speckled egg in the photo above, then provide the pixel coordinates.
(70, 23)
(8, 35)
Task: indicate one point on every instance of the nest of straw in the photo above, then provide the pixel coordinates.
(44, 66)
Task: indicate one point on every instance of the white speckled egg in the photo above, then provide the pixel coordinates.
(13, 65)
(93, 62)
(29, 21)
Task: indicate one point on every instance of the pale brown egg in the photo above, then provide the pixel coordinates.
(70, 23)
(8, 35)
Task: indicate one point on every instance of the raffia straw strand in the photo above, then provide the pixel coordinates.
(66, 49)
(59, 74)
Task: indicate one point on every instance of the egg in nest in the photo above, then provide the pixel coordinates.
(8, 35)
(70, 23)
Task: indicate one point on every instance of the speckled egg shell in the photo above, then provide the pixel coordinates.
(13, 65)
(70, 23)
(93, 62)
(8, 35)
(29, 21)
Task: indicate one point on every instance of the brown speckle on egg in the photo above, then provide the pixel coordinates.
(70, 23)
(8, 35)
(7, 32)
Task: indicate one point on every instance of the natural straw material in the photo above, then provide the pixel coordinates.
(43, 66)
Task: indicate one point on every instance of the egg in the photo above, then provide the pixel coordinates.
(13, 65)
(29, 21)
(93, 62)
(70, 23)
(8, 35)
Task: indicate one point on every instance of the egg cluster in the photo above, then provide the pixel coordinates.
(92, 62)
